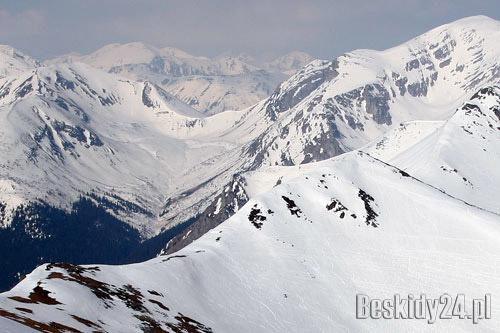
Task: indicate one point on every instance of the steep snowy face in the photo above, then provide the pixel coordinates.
(210, 85)
(312, 238)
(440, 153)
(330, 107)
(13, 62)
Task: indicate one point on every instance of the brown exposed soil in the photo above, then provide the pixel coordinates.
(38, 295)
(85, 322)
(51, 327)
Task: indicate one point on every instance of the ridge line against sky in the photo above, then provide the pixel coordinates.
(263, 29)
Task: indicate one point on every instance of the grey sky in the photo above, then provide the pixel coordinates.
(209, 27)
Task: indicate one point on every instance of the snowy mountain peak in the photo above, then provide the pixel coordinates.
(13, 62)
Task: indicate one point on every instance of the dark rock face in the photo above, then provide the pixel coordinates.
(5, 89)
(38, 136)
(70, 106)
(24, 90)
(377, 103)
(487, 91)
(400, 82)
(445, 63)
(145, 96)
(417, 89)
(325, 145)
(482, 94)
(423, 63)
(318, 130)
(83, 86)
(77, 133)
(412, 64)
(292, 206)
(349, 98)
(371, 215)
(60, 137)
(157, 65)
(257, 150)
(63, 83)
(444, 51)
(256, 218)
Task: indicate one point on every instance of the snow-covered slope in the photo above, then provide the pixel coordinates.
(295, 256)
(442, 153)
(82, 150)
(210, 85)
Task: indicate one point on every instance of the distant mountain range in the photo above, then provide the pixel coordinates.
(322, 187)
(210, 85)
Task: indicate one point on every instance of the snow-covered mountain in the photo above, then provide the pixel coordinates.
(72, 129)
(330, 107)
(14, 62)
(72, 133)
(210, 85)
(311, 237)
